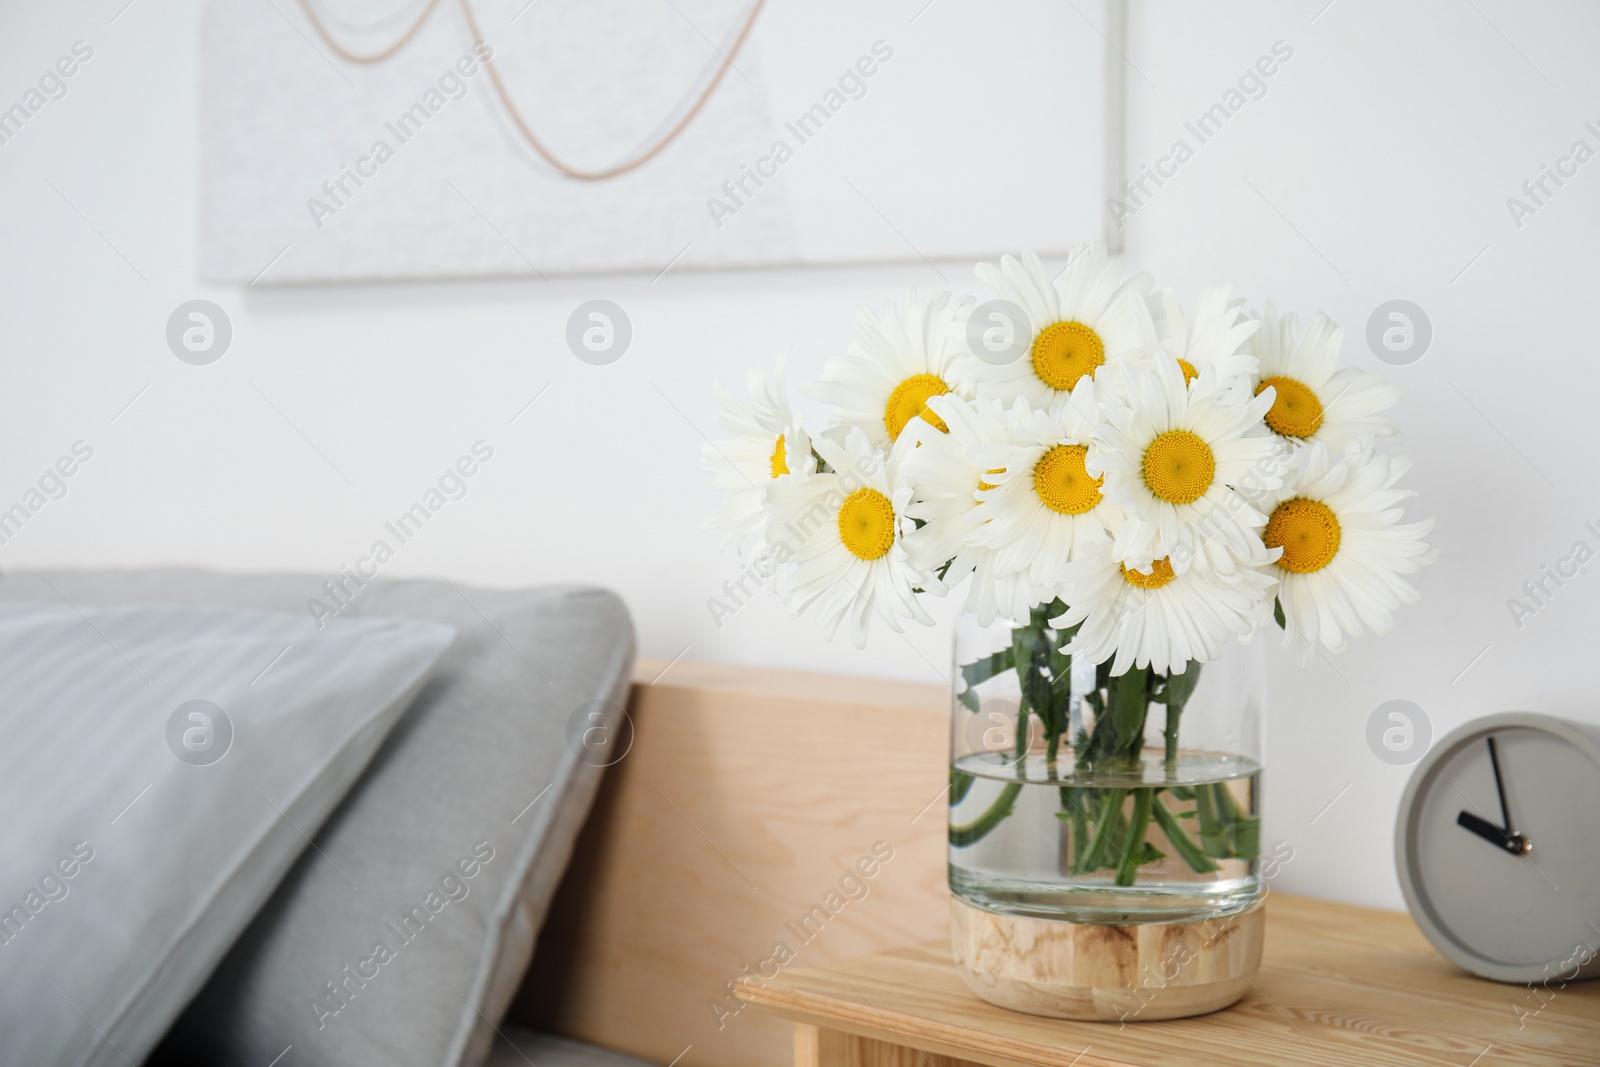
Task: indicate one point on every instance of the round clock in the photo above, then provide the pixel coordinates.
(1498, 845)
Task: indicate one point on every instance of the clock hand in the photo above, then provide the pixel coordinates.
(1500, 788)
(1513, 843)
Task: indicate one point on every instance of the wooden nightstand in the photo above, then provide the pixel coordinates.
(1339, 986)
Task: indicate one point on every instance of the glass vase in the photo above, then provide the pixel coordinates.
(1082, 796)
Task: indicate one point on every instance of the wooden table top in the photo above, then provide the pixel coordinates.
(1340, 985)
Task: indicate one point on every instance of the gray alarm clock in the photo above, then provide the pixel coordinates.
(1498, 846)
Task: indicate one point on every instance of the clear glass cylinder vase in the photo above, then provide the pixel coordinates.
(1093, 798)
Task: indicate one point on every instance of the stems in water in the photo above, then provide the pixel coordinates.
(1133, 844)
(1105, 826)
(978, 829)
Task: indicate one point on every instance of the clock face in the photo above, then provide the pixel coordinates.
(1500, 848)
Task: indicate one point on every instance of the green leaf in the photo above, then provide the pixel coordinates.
(1045, 690)
(1060, 664)
(1180, 687)
(1130, 703)
(1277, 613)
(981, 670)
(1148, 853)
(1042, 699)
(1023, 638)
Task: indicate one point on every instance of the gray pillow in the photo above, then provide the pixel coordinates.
(160, 768)
(490, 762)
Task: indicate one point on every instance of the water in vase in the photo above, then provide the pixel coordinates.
(1157, 841)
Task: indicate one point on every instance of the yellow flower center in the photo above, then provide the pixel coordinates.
(866, 524)
(1160, 574)
(779, 462)
(1062, 482)
(1296, 411)
(1189, 373)
(910, 399)
(1308, 533)
(983, 486)
(1065, 352)
(1178, 467)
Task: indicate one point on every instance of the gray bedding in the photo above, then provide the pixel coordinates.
(516, 1047)
(407, 928)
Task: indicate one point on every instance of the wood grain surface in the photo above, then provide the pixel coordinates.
(814, 1047)
(1104, 972)
(1340, 986)
(735, 824)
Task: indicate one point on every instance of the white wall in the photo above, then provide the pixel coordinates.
(1376, 166)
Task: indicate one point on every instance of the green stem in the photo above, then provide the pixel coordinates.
(960, 786)
(1129, 706)
(1072, 803)
(1173, 712)
(1024, 641)
(1022, 727)
(1087, 749)
(1243, 830)
(979, 828)
(1133, 844)
(1103, 831)
(1038, 694)
(1214, 823)
(1118, 707)
(1180, 840)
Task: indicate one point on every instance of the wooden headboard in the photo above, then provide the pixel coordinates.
(762, 818)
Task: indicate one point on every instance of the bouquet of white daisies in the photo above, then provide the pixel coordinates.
(1136, 487)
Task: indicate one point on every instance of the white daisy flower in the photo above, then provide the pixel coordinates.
(770, 443)
(1078, 325)
(1344, 549)
(847, 527)
(1216, 336)
(995, 593)
(1040, 506)
(902, 356)
(948, 480)
(1316, 400)
(1175, 457)
(1158, 617)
